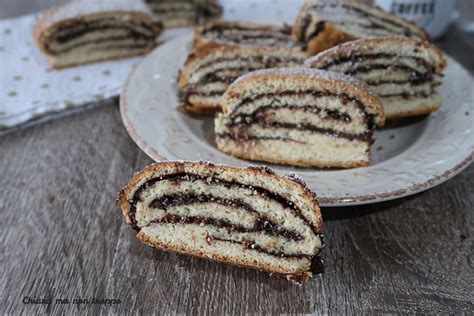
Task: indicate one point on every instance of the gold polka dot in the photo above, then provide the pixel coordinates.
(44, 86)
(7, 31)
(106, 72)
(16, 78)
(76, 78)
(11, 93)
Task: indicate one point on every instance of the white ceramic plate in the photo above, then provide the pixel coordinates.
(405, 159)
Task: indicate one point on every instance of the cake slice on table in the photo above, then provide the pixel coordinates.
(299, 117)
(322, 24)
(403, 72)
(85, 31)
(209, 70)
(178, 13)
(243, 33)
(249, 217)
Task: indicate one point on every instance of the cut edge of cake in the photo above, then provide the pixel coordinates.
(289, 187)
(394, 107)
(327, 147)
(211, 52)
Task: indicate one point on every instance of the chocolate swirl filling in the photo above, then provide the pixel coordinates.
(417, 76)
(246, 35)
(259, 115)
(214, 77)
(63, 34)
(306, 21)
(196, 9)
(211, 180)
(261, 224)
(265, 61)
(240, 120)
(219, 29)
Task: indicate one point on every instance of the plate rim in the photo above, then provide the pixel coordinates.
(335, 201)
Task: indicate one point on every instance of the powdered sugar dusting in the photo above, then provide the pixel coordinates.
(295, 177)
(300, 180)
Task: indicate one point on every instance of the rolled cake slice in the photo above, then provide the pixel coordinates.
(322, 24)
(403, 72)
(250, 217)
(86, 31)
(178, 13)
(243, 33)
(209, 70)
(299, 117)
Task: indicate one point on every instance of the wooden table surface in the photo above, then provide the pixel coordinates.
(63, 237)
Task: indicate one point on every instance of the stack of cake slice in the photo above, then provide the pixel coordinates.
(278, 106)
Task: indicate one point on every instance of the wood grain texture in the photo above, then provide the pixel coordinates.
(62, 236)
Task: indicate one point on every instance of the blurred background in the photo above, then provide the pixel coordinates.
(11, 8)
(459, 42)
